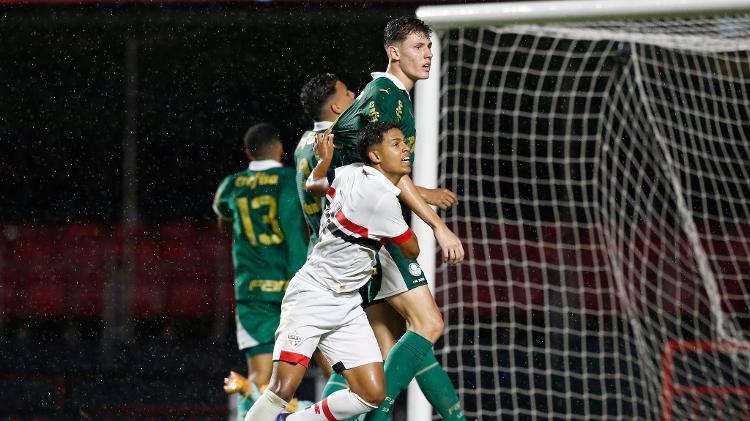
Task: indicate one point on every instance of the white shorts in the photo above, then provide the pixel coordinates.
(396, 274)
(393, 282)
(313, 317)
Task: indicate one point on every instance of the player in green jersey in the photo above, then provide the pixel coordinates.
(400, 285)
(261, 208)
(324, 97)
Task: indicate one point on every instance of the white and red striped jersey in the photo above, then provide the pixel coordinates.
(363, 213)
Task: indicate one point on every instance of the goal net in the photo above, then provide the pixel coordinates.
(603, 173)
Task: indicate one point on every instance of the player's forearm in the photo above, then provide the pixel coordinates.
(317, 182)
(422, 192)
(411, 196)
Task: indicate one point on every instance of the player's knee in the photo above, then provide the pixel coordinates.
(373, 396)
(437, 326)
(431, 327)
(281, 388)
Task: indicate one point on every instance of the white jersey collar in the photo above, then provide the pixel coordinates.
(396, 81)
(372, 171)
(264, 164)
(322, 125)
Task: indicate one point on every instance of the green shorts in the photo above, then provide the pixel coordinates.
(394, 274)
(256, 326)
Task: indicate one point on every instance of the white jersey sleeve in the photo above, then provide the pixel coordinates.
(387, 222)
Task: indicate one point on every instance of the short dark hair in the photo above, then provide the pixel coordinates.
(396, 30)
(260, 138)
(371, 135)
(316, 92)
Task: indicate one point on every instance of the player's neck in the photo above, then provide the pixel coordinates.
(393, 178)
(395, 70)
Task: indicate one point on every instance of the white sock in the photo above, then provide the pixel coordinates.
(266, 408)
(339, 405)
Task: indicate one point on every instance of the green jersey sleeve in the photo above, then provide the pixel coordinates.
(222, 199)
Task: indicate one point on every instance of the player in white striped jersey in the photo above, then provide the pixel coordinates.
(321, 307)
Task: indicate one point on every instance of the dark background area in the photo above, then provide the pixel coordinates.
(205, 73)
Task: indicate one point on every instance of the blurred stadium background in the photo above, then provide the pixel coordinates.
(117, 121)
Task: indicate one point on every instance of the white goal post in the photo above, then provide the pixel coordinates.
(440, 126)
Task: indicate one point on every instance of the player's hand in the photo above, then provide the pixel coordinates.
(442, 198)
(453, 250)
(236, 383)
(324, 146)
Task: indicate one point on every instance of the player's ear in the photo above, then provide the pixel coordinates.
(393, 53)
(335, 108)
(374, 156)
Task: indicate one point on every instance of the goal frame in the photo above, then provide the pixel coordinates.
(427, 92)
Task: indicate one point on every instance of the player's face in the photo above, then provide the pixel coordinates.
(394, 153)
(415, 56)
(343, 97)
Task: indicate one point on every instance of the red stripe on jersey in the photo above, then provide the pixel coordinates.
(401, 239)
(351, 226)
(326, 411)
(294, 358)
(331, 192)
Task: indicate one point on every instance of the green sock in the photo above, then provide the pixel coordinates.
(438, 389)
(399, 370)
(335, 382)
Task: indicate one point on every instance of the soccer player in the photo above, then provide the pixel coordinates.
(324, 97)
(401, 282)
(321, 308)
(261, 208)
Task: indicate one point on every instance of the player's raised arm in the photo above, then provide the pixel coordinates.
(317, 182)
(453, 250)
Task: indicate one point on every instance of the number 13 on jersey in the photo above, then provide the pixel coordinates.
(267, 208)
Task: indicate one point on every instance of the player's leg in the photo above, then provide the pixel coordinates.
(256, 323)
(366, 392)
(405, 289)
(296, 339)
(417, 307)
(387, 324)
(323, 364)
(335, 380)
(354, 349)
(247, 390)
(284, 381)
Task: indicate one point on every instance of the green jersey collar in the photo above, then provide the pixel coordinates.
(393, 79)
(263, 164)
